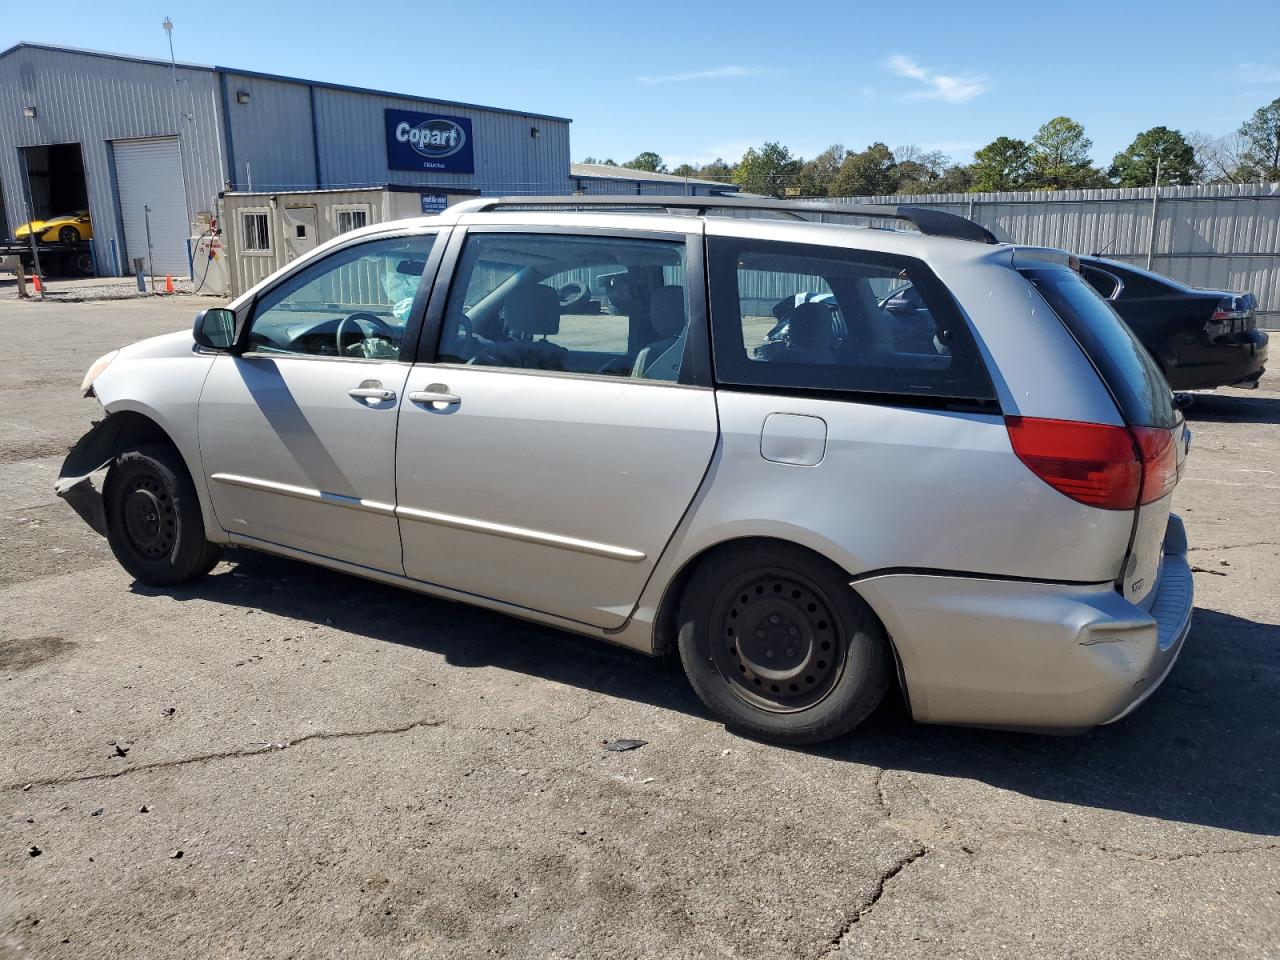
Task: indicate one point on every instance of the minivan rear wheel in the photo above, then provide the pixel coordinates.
(778, 645)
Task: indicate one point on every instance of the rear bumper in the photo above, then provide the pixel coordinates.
(1240, 361)
(1032, 656)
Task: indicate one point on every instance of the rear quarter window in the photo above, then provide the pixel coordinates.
(812, 318)
(1139, 388)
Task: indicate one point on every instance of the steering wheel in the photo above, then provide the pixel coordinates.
(362, 317)
(617, 367)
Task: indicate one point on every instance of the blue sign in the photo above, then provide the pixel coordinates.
(428, 141)
(434, 203)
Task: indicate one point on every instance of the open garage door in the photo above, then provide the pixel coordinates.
(149, 175)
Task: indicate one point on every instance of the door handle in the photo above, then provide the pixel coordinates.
(435, 393)
(371, 390)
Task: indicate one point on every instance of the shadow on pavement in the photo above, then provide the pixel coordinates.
(1233, 408)
(1202, 750)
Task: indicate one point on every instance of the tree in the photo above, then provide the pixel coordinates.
(816, 175)
(647, 161)
(717, 170)
(1220, 159)
(1159, 149)
(873, 172)
(919, 170)
(603, 163)
(685, 170)
(1003, 164)
(768, 171)
(955, 179)
(1060, 157)
(1261, 135)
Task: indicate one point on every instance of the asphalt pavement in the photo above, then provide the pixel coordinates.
(279, 761)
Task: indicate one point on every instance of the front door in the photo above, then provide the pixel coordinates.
(299, 231)
(297, 433)
(548, 456)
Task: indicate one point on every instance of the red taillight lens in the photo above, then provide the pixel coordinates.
(1159, 463)
(1090, 462)
(1115, 468)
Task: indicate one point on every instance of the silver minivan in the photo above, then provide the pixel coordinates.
(816, 459)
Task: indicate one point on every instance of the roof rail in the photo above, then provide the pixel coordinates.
(933, 223)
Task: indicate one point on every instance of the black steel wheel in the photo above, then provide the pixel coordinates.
(154, 524)
(778, 645)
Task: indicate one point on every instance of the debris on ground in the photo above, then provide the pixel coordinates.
(144, 809)
(170, 711)
(175, 854)
(119, 750)
(34, 851)
(98, 812)
(617, 746)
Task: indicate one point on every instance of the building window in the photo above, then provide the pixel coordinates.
(348, 218)
(255, 230)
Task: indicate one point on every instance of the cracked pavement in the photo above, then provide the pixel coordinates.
(353, 771)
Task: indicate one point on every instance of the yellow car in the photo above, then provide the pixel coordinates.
(64, 228)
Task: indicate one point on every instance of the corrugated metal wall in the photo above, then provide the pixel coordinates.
(274, 133)
(611, 187)
(93, 100)
(1223, 236)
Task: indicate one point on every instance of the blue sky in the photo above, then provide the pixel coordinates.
(698, 80)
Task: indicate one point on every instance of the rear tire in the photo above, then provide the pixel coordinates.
(154, 524)
(778, 645)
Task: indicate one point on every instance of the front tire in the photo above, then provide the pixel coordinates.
(154, 524)
(68, 235)
(778, 645)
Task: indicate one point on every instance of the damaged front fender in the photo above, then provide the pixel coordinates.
(95, 450)
(107, 438)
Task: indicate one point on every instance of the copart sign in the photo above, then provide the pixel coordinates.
(429, 141)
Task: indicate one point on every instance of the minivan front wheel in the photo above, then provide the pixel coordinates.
(778, 646)
(154, 524)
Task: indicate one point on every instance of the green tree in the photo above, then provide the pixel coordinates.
(767, 171)
(685, 170)
(647, 161)
(1136, 165)
(816, 175)
(1003, 164)
(1261, 134)
(1060, 157)
(605, 163)
(873, 172)
(717, 170)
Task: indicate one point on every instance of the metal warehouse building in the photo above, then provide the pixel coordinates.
(146, 144)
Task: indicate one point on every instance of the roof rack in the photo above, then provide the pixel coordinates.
(933, 223)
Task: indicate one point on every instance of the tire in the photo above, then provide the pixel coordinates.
(573, 295)
(154, 524)
(737, 615)
(68, 235)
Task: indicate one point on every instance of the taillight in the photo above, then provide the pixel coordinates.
(1159, 463)
(1104, 466)
(1232, 314)
(1090, 462)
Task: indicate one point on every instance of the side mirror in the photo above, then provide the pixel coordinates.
(215, 328)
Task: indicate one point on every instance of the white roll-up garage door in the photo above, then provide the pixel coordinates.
(149, 174)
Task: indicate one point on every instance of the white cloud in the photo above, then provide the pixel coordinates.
(711, 73)
(1257, 73)
(949, 88)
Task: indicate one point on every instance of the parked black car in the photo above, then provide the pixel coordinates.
(1200, 338)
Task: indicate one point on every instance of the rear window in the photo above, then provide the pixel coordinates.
(1140, 389)
(802, 317)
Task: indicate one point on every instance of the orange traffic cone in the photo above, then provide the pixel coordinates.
(168, 283)
(35, 283)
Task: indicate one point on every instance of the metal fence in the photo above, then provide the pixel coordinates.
(1223, 236)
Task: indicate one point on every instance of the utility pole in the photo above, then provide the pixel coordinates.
(1155, 202)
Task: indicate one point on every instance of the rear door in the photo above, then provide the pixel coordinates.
(1144, 399)
(551, 444)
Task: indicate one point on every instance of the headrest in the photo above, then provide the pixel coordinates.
(812, 327)
(666, 311)
(533, 310)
